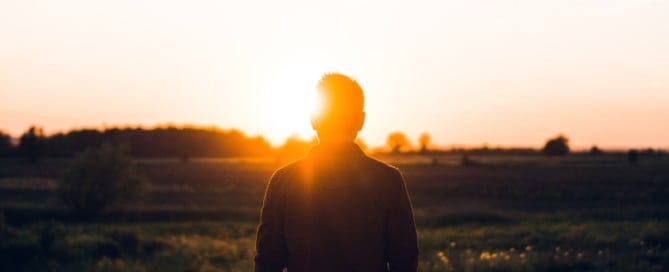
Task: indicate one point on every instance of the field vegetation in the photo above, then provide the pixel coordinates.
(497, 213)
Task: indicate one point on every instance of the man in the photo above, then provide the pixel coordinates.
(337, 209)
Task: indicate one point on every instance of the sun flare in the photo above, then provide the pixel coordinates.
(289, 101)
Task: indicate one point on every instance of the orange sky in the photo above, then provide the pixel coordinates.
(467, 72)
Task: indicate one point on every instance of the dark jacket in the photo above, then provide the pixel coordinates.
(336, 210)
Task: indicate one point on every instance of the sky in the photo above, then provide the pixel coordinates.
(501, 73)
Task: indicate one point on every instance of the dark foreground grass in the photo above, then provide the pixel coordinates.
(519, 214)
(220, 246)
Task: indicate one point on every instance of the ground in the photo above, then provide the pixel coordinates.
(499, 213)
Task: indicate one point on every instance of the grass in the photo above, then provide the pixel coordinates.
(226, 246)
(504, 214)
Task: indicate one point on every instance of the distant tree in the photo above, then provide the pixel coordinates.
(295, 148)
(31, 144)
(6, 146)
(177, 142)
(633, 156)
(98, 178)
(396, 141)
(595, 151)
(424, 141)
(558, 146)
(649, 152)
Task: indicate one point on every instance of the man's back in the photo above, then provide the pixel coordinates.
(337, 210)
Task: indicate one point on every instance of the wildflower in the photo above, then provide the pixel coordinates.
(442, 257)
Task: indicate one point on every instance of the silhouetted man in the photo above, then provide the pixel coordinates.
(337, 209)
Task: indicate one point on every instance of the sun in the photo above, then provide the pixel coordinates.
(289, 100)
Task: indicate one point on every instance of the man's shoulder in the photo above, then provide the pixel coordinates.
(290, 167)
(380, 166)
(370, 164)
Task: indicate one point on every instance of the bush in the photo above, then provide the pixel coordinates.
(31, 144)
(6, 146)
(97, 178)
(558, 146)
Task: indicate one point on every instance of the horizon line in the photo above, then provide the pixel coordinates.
(440, 147)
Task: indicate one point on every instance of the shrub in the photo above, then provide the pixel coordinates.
(97, 178)
(558, 146)
(595, 151)
(6, 146)
(396, 141)
(31, 144)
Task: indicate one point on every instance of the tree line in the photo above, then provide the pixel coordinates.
(191, 141)
(181, 142)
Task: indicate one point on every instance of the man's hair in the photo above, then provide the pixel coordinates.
(340, 94)
(341, 104)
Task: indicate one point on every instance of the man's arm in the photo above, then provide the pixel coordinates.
(401, 244)
(270, 243)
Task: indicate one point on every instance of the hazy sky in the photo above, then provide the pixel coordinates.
(467, 72)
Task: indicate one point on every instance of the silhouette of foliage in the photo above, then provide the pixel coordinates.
(182, 143)
(396, 141)
(648, 152)
(424, 141)
(97, 178)
(6, 147)
(295, 148)
(31, 144)
(595, 151)
(558, 146)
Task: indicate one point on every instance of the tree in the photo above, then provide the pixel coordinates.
(558, 146)
(424, 141)
(5, 144)
(97, 178)
(31, 144)
(396, 141)
(595, 151)
(295, 148)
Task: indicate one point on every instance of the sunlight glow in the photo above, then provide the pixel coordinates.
(289, 101)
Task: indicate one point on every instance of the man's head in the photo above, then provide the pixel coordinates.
(341, 113)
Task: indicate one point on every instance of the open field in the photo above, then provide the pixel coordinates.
(504, 213)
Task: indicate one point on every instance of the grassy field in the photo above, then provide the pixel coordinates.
(502, 213)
